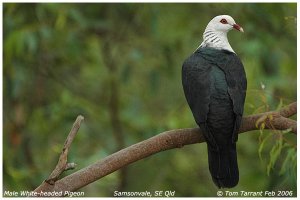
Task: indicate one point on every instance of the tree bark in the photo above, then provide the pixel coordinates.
(167, 140)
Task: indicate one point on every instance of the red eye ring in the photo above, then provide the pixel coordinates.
(224, 21)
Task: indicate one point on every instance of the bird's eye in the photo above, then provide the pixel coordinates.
(223, 21)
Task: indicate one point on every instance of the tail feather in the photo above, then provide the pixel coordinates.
(223, 165)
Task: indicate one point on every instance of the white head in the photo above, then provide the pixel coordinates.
(215, 34)
(223, 23)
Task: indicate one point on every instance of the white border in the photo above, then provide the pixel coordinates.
(132, 1)
(147, 1)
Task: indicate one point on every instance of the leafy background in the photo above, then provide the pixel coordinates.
(119, 65)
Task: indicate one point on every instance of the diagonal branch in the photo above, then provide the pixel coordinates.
(164, 141)
(62, 164)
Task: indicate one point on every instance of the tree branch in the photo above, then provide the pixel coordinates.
(62, 164)
(164, 141)
(274, 119)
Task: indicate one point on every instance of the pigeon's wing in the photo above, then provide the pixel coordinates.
(196, 84)
(237, 86)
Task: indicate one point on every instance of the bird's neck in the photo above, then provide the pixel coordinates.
(215, 39)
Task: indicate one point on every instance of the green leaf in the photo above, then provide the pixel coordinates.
(261, 120)
(288, 160)
(262, 126)
(280, 104)
(262, 144)
(274, 153)
(286, 131)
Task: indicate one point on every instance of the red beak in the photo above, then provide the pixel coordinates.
(238, 27)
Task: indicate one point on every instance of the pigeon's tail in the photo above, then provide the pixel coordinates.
(223, 165)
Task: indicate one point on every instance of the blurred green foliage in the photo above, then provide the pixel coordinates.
(119, 65)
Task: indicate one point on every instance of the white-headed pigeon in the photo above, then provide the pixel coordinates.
(214, 83)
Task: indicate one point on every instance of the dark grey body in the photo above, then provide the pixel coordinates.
(215, 84)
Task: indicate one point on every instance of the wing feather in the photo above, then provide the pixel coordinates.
(196, 84)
